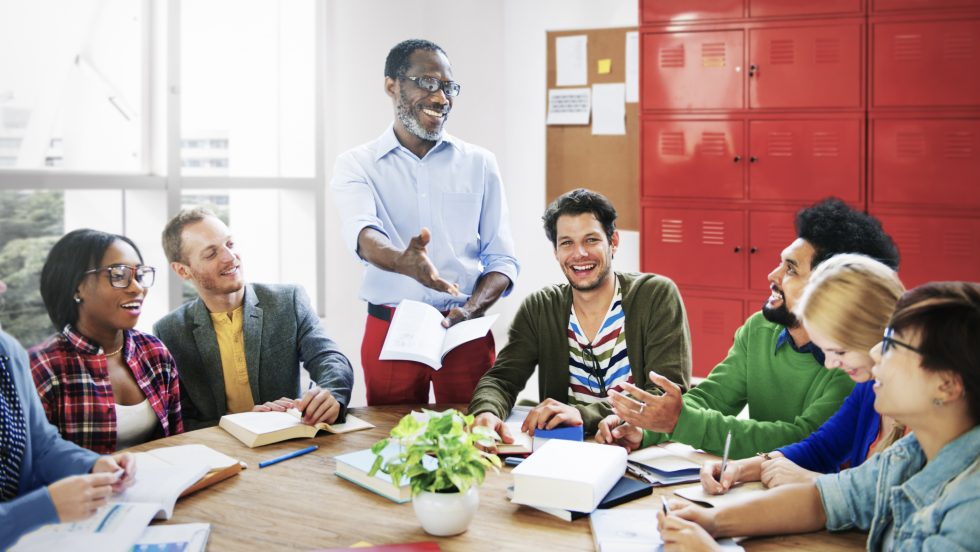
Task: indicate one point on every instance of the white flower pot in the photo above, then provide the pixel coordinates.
(445, 514)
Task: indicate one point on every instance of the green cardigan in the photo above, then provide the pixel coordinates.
(789, 395)
(657, 338)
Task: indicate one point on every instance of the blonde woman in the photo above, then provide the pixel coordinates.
(923, 492)
(844, 308)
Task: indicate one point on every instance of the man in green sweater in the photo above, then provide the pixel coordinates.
(601, 331)
(772, 366)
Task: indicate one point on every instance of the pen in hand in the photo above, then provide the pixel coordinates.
(724, 456)
(663, 501)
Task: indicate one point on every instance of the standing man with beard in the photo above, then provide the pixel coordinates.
(239, 346)
(772, 366)
(425, 212)
(602, 331)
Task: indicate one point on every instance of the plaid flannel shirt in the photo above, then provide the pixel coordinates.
(72, 377)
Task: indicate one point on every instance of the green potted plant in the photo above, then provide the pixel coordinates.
(444, 491)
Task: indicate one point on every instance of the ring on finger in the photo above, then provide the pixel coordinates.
(642, 406)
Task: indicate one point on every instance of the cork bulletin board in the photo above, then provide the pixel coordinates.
(579, 159)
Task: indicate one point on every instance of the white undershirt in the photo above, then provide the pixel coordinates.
(134, 424)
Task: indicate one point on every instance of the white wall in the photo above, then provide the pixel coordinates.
(498, 52)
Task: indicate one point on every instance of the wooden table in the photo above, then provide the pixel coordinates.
(301, 505)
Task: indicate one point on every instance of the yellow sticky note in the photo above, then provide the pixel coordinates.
(605, 65)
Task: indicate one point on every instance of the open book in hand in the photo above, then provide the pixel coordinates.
(220, 466)
(416, 334)
(256, 429)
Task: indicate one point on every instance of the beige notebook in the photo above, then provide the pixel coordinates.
(256, 429)
(220, 466)
(738, 493)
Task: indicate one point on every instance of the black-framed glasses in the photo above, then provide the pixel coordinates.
(887, 342)
(431, 84)
(595, 371)
(121, 276)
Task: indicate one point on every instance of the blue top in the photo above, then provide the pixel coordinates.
(907, 504)
(455, 191)
(47, 457)
(843, 440)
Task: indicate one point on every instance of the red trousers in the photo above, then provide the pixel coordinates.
(407, 382)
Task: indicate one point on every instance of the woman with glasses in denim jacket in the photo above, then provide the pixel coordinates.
(923, 492)
(845, 307)
(104, 384)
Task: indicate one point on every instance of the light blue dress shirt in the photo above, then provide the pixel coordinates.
(47, 457)
(455, 191)
(906, 503)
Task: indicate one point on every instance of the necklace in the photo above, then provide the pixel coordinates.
(116, 352)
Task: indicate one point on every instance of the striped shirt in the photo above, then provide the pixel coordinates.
(72, 377)
(600, 365)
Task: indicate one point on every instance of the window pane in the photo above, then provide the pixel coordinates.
(274, 233)
(70, 85)
(247, 87)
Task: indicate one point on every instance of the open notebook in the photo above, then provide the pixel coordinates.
(220, 466)
(256, 429)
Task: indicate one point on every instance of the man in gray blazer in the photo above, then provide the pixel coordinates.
(239, 346)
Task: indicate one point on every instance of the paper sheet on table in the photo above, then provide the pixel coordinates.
(609, 108)
(569, 106)
(571, 60)
(632, 67)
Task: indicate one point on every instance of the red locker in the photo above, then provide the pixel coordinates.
(771, 8)
(805, 159)
(694, 247)
(769, 233)
(692, 70)
(804, 67)
(926, 161)
(935, 248)
(656, 11)
(713, 323)
(693, 159)
(926, 63)
(891, 5)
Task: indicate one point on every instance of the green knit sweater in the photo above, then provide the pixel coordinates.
(789, 395)
(657, 338)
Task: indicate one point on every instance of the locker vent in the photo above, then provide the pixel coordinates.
(959, 47)
(672, 56)
(779, 144)
(713, 54)
(909, 241)
(827, 50)
(782, 51)
(713, 232)
(826, 144)
(713, 144)
(907, 47)
(958, 244)
(958, 144)
(671, 231)
(910, 144)
(672, 143)
(778, 235)
(713, 322)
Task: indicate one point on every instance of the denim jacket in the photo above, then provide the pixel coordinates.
(934, 506)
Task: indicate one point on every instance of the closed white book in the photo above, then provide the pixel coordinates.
(571, 475)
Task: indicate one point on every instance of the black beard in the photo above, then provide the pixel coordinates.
(780, 315)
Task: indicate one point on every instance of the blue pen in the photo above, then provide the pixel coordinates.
(294, 454)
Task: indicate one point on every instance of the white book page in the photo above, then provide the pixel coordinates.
(160, 487)
(113, 528)
(193, 455)
(264, 422)
(738, 493)
(467, 331)
(156, 537)
(415, 332)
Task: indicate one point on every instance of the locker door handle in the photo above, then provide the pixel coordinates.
(753, 159)
(753, 69)
(752, 250)
(738, 158)
(738, 249)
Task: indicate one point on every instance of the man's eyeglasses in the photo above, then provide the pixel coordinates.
(431, 84)
(887, 342)
(596, 370)
(121, 276)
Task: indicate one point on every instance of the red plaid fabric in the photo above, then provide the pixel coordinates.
(72, 378)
